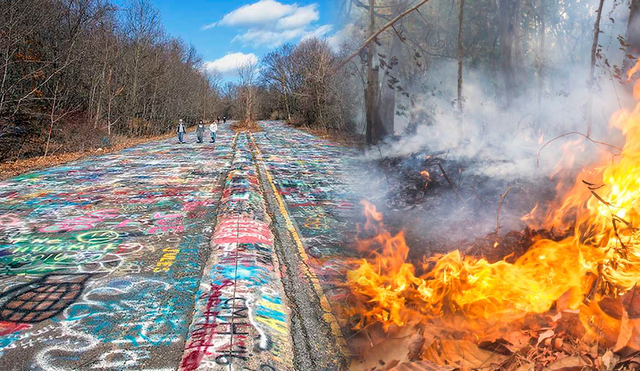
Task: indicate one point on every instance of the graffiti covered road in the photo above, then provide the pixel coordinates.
(171, 256)
(100, 259)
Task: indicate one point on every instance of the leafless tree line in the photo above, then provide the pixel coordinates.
(300, 84)
(76, 73)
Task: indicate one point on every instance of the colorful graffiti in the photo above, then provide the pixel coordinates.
(42, 298)
(100, 259)
(315, 178)
(240, 321)
(162, 256)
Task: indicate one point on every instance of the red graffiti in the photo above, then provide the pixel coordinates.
(201, 337)
(242, 230)
(7, 328)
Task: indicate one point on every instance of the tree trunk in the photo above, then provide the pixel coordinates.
(592, 70)
(375, 130)
(542, 33)
(387, 103)
(460, 56)
(633, 36)
(368, 102)
(508, 14)
(388, 96)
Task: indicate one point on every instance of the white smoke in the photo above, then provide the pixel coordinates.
(504, 141)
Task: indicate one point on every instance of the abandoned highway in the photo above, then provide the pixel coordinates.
(170, 256)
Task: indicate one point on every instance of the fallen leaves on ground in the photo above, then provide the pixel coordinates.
(462, 353)
(390, 353)
(544, 342)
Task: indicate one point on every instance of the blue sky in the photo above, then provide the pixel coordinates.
(228, 33)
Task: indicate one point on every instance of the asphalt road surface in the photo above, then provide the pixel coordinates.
(167, 256)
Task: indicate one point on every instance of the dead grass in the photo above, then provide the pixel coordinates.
(251, 126)
(13, 168)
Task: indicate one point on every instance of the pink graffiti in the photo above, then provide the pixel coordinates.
(242, 231)
(10, 221)
(166, 223)
(81, 223)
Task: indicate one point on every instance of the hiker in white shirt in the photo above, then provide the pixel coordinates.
(213, 128)
(181, 130)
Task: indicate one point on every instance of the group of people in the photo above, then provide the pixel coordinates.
(213, 129)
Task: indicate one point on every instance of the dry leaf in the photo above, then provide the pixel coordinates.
(390, 353)
(422, 366)
(462, 353)
(610, 360)
(518, 339)
(631, 303)
(626, 330)
(526, 367)
(545, 335)
(566, 364)
(612, 307)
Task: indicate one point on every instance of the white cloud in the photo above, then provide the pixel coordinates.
(301, 18)
(319, 32)
(260, 13)
(270, 23)
(230, 62)
(210, 25)
(272, 39)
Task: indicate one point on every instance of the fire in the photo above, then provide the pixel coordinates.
(426, 176)
(600, 258)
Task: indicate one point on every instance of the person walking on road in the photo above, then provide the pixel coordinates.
(224, 119)
(213, 128)
(200, 131)
(181, 131)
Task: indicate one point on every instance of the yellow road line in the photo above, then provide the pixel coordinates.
(328, 316)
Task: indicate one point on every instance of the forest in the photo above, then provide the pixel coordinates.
(75, 74)
(486, 64)
(78, 74)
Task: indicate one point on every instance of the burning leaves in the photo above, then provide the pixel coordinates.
(455, 285)
(564, 296)
(427, 178)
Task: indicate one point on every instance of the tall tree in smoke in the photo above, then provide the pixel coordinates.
(632, 38)
(460, 55)
(509, 15)
(592, 70)
(375, 130)
(387, 104)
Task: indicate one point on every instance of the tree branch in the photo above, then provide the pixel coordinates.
(373, 37)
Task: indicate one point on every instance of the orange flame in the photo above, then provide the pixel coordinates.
(426, 176)
(604, 244)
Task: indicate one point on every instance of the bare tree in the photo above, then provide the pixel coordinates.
(247, 74)
(70, 65)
